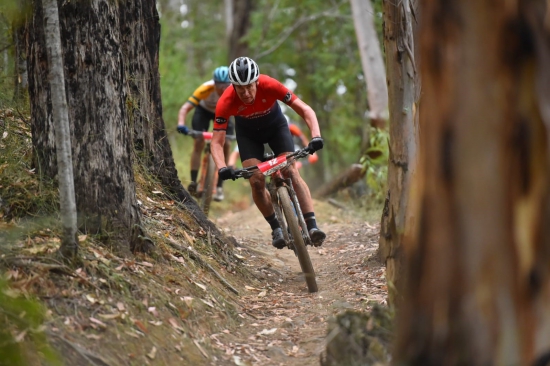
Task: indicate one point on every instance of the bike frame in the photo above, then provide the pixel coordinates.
(287, 208)
(208, 172)
(273, 169)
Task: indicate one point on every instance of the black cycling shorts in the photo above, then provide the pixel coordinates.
(201, 120)
(251, 138)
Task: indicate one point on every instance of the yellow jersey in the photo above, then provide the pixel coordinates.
(205, 96)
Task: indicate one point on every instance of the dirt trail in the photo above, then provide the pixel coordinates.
(282, 324)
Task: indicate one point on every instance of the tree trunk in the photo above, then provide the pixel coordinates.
(404, 134)
(241, 25)
(372, 61)
(19, 33)
(478, 264)
(140, 44)
(97, 97)
(229, 23)
(60, 117)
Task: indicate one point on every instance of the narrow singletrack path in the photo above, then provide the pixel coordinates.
(283, 324)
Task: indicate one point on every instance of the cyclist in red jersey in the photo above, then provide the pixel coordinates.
(252, 100)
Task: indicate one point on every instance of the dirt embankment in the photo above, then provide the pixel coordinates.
(173, 308)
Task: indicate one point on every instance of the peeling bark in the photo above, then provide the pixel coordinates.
(60, 120)
(478, 265)
(96, 95)
(404, 134)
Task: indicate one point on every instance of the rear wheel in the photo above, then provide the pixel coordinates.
(208, 185)
(300, 247)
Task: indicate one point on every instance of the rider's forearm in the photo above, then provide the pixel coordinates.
(309, 116)
(216, 148)
(311, 120)
(185, 108)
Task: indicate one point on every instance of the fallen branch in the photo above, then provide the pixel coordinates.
(343, 180)
(196, 257)
(336, 204)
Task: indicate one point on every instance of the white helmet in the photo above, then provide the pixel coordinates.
(243, 71)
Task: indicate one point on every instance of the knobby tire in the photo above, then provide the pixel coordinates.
(299, 245)
(207, 193)
(277, 208)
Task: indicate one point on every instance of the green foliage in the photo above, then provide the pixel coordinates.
(188, 56)
(375, 163)
(312, 44)
(323, 54)
(22, 192)
(22, 337)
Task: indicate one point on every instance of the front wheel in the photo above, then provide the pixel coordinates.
(299, 245)
(208, 187)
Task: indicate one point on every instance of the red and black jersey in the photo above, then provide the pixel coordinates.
(264, 109)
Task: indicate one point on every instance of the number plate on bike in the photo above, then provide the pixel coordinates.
(270, 166)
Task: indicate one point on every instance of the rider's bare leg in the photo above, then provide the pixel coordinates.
(304, 197)
(198, 146)
(262, 199)
(260, 195)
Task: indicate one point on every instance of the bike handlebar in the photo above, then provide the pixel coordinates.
(278, 163)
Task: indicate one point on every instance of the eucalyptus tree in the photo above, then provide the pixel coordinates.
(60, 121)
(403, 90)
(19, 35)
(372, 61)
(111, 53)
(91, 36)
(240, 24)
(478, 264)
(140, 47)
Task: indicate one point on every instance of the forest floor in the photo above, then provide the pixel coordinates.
(281, 323)
(197, 300)
(171, 309)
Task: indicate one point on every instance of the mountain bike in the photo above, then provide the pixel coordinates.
(208, 172)
(287, 208)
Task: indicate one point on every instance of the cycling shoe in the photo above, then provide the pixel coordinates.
(192, 188)
(317, 236)
(278, 238)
